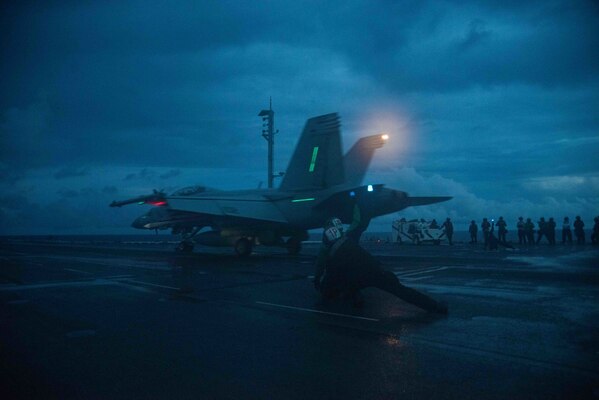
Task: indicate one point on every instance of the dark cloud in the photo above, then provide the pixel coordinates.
(69, 172)
(68, 193)
(145, 175)
(477, 33)
(13, 201)
(170, 174)
(110, 190)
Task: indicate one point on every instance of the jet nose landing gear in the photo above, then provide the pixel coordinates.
(185, 247)
(243, 247)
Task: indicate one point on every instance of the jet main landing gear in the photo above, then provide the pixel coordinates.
(185, 246)
(294, 246)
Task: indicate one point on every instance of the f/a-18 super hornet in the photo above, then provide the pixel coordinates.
(319, 183)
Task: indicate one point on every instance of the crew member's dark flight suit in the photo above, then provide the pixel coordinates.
(566, 231)
(595, 235)
(501, 230)
(579, 230)
(448, 231)
(529, 229)
(343, 268)
(550, 231)
(485, 226)
(521, 232)
(473, 229)
(542, 230)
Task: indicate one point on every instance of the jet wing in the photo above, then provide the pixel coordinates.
(250, 206)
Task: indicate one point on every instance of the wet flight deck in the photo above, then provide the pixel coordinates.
(88, 319)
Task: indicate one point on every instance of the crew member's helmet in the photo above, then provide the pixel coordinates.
(334, 223)
(331, 234)
(333, 230)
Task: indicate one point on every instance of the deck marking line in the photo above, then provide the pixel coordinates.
(317, 311)
(76, 270)
(97, 282)
(417, 279)
(150, 284)
(423, 271)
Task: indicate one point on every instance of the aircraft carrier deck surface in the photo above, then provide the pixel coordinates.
(126, 319)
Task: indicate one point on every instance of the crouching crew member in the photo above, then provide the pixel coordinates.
(343, 268)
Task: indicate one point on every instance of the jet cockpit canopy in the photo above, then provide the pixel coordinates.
(191, 190)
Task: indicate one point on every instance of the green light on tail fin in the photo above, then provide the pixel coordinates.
(313, 162)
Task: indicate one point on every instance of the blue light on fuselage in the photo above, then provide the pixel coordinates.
(352, 194)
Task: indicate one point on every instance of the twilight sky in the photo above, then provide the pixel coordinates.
(493, 102)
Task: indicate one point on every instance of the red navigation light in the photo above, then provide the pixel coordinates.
(158, 203)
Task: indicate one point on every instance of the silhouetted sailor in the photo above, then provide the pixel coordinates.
(448, 226)
(501, 229)
(529, 229)
(566, 231)
(579, 230)
(343, 268)
(550, 231)
(473, 229)
(595, 234)
(485, 226)
(521, 232)
(542, 229)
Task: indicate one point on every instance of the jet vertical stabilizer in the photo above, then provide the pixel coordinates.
(358, 157)
(317, 162)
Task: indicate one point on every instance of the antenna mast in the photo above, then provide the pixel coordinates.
(268, 133)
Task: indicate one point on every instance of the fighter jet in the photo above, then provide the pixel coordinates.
(319, 183)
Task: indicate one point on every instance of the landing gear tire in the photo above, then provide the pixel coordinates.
(294, 246)
(185, 247)
(243, 247)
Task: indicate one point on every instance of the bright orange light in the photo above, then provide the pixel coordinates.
(385, 137)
